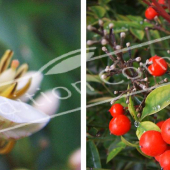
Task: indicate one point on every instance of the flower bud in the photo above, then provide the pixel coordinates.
(89, 42)
(104, 49)
(107, 68)
(100, 22)
(118, 47)
(111, 25)
(103, 76)
(112, 67)
(165, 80)
(90, 27)
(138, 59)
(115, 92)
(122, 34)
(128, 44)
(104, 42)
(146, 79)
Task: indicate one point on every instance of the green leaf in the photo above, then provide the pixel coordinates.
(93, 158)
(128, 24)
(91, 20)
(137, 33)
(119, 147)
(98, 10)
(122, 17)
(135, 18)
(128, 143)
(145, 126)
(93, 78)
(157, 100)
(132, 109)
(155, 34)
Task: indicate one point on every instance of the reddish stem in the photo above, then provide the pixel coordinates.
(161, 10)
(168, 4)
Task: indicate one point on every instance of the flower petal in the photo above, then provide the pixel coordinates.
(19, 119)
(47, 102)
(35, 83)
(6, 78)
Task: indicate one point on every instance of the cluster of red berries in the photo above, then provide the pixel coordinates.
(155, 144)
(158, 66)
(150, 13)
(120, 124)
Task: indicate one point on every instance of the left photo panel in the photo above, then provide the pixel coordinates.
(40, 85)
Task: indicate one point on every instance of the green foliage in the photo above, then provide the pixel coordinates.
(160, 99)
(132, 109)
(127, 16)
(118, 148)
(145, 126)
(93, 158)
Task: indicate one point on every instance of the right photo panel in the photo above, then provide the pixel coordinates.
(128, 89)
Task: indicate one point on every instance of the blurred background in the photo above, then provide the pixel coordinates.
(39, 31)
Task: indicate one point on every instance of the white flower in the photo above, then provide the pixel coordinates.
(19, 119)
(35, 83)
(47, 102)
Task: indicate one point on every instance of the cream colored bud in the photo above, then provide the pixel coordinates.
(138, 59)
(122, 34)
(100, 22)
(112, 67)
(115, 92)
(104, 42)
(103, 76)
(104, 49)
(90, 27)
(111, 25)
(107, 68)
(89, 42)
(128, 44)
(118, 47)
(146, 79)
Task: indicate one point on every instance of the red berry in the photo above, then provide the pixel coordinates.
(119, 125)
(158, 157)
(158, 66)
(165, 160)
(159, 124)
(162, 2)
(150, 13)
(152, 144)
(165, 131)
(116, 109)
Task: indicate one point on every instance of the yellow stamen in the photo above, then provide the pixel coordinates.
(8, 147)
